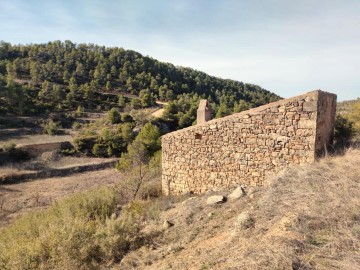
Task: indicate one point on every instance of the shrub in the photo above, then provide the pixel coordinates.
(9, 148)
(51, 127)
(76, 125)
(344, 129)
(354, 116)
(127, 118)
(99, 150)
(85, 143)
(113, 116)
(150, 190)
(80, 110)
(80, 232)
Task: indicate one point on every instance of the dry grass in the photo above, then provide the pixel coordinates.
(307, 218)
(35, 139)
(49, 160)
(17, 199)
(312, 212)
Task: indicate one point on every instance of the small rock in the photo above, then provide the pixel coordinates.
(251, 192)
(216, 199)
(244, 221)
(236, 194)
(167, 224)
(188, 199)
(210, 214)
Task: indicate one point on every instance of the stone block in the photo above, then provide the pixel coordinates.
(306, 124)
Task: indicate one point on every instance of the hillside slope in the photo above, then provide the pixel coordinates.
(68, 75)
(307, 218)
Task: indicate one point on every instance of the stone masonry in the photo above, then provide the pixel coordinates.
(248, 147)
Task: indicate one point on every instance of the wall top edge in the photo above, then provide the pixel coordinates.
(312, 94)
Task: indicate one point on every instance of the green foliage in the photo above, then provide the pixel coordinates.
(354, 116)
(170, 115)
(66, 83)
(76, 125)
(136, 156)
(105, 142)
(127, 132)
(146, 98)
(139, 168)
(113, 116)
(9, 147)
(51, 127)
(149, 136)
(126, 118)
(344, 129)
(135, 103)
(135, 165)
(80, 232)
(121, 101)
(80, 110)
(84, 143)
(99, 150)
(241, 106)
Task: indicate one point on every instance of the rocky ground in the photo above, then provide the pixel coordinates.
(306, 218)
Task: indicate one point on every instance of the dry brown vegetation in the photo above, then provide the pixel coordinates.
(306, 218)
(20, 138)
(17, 199)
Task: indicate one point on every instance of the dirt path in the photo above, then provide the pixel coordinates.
(159, 112)
(19, 198)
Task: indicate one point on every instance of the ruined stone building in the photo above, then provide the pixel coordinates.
(247, 147)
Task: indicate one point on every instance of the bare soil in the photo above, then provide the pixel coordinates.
(17, 199)
(49, 160)
(26, 139)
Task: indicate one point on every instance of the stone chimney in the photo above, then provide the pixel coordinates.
(204, 112)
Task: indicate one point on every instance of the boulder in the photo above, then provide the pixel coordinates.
(236, 194)
(216, 199)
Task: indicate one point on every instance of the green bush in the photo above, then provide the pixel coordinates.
(80, 232)
(85, 143)
(51, 127)
(344, 129)
(76, 125)
(113, 116)
(99, 150)
(127, 118)
(354, 117)
(9, 148)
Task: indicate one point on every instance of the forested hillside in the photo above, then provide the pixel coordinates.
(58, 76)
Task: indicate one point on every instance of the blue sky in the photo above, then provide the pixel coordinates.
(288, 47)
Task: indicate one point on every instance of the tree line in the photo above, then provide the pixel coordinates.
(38, 78)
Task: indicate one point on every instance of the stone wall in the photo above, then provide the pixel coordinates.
(35, 150)
(247, 147)
(54, 172)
